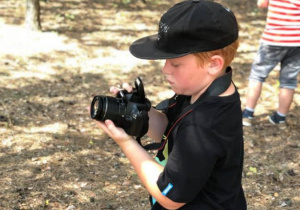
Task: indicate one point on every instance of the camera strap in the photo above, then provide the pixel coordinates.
(219, 86)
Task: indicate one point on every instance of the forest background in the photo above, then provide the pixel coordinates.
(52, 156)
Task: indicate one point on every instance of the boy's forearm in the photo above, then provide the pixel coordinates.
(148, 171)
(262, 3)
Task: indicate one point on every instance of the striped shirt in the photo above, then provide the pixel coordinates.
(283, 23)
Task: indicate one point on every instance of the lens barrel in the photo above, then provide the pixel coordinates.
(105, 107)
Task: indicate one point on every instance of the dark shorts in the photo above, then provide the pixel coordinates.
(269, 56)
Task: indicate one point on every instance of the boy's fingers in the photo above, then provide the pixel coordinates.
(127, 87)
(103, 127)
(111, 127)
(114, 90)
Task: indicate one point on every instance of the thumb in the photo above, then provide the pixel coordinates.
(109, 124)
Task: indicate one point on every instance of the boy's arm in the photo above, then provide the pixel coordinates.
(144, 165)
(157, 124)
(262, 3)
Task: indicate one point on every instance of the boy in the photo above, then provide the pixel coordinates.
(199, 164)
(280, 43)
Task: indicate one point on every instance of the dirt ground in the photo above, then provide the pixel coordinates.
(52, 156)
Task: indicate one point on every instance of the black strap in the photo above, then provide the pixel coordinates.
(219, 86)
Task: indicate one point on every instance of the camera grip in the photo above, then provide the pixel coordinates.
(141, 124)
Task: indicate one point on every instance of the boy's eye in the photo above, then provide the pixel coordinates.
(175, 64)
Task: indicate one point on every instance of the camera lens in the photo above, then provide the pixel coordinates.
(96, 108)
(96, 105)
(105, 107)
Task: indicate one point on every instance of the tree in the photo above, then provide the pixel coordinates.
(32, 19)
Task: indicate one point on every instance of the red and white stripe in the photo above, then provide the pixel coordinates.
(283, 23)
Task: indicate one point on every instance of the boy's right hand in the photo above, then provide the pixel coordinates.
(114, 90)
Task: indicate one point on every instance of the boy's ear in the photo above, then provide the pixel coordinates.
(216, 65)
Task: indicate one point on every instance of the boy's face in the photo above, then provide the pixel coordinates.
(186, 76)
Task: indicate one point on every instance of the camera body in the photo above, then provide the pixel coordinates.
(127, 110)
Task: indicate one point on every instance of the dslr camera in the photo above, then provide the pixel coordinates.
(127, 110)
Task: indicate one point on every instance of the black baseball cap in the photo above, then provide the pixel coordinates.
(189, 27)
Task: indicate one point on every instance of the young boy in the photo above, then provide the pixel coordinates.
(280, 43)
(200, 161)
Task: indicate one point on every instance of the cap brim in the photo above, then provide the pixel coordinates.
(146, 48)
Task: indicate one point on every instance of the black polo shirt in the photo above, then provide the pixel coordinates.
(203, 155)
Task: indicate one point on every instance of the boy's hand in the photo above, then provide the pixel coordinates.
(114, 90)
(116, 133)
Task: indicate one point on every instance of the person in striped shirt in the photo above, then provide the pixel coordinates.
(280, 43)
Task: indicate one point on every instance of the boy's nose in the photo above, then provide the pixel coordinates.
(166, 69)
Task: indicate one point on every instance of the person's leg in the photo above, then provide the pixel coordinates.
(290, 67)
(285, 99)
(254, 91)
(266, 59)
(253, 94)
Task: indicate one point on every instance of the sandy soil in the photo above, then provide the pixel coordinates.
(53, 156)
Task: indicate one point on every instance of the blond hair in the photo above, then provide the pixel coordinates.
(227, 53)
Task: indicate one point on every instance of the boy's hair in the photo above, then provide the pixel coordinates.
(228, 53)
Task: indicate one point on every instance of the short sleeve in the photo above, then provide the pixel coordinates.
(190, 163)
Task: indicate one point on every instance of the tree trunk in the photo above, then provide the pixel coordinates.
(32, 20)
